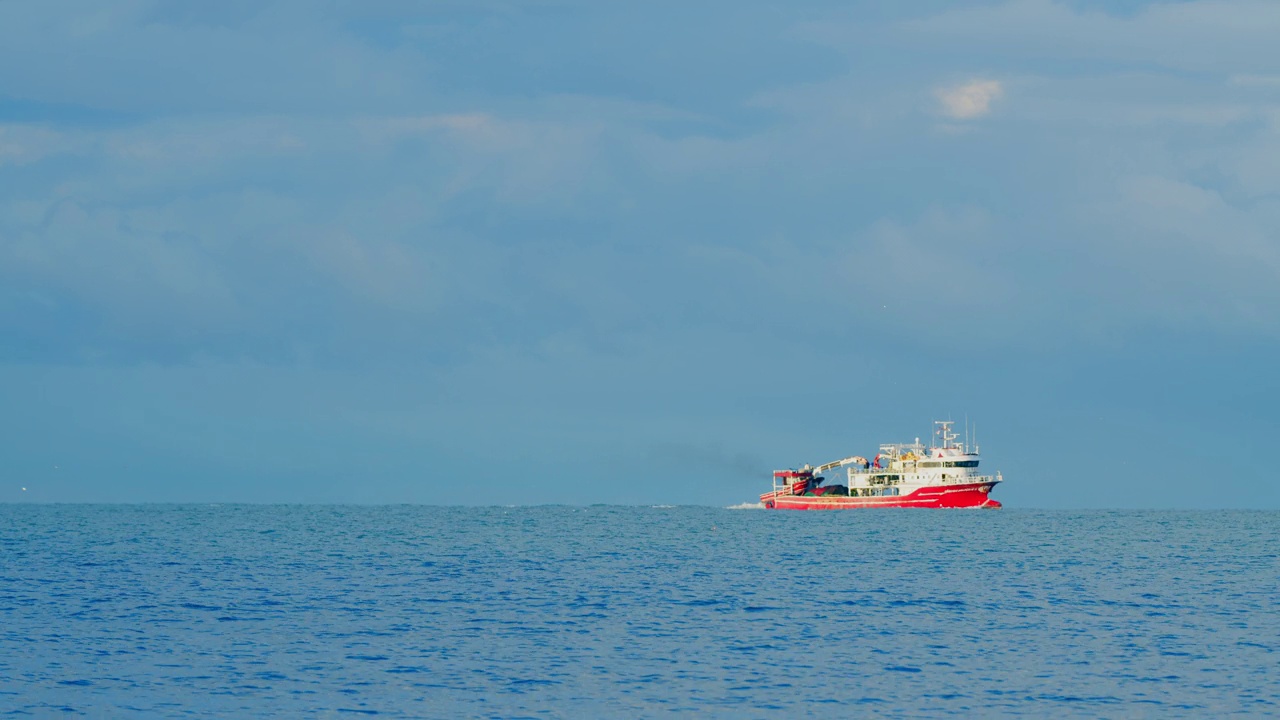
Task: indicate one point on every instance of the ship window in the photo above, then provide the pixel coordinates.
(961, 463)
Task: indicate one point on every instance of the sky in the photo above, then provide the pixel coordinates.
(564, 251)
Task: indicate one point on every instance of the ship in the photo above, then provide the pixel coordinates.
(901, 475)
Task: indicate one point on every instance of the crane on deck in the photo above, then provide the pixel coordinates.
(854, 460)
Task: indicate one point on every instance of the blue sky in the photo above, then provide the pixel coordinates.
(563, 251)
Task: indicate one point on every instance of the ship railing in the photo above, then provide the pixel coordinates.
(948, 480)
(967, 479)
(905, 467)
(779, 485)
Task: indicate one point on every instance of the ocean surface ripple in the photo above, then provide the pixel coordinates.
(604, 611)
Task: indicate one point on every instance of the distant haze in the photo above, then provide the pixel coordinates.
(577, 252)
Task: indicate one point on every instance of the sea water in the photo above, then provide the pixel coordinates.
(257, 611)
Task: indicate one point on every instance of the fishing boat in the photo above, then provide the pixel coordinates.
(944, 475)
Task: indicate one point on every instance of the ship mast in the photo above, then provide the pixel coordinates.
(944, 429)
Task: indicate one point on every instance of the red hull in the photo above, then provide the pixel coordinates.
(975, 495)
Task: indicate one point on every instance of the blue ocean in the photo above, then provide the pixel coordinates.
(636, 612)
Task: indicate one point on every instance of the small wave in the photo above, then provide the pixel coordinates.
(746, 506)
(661, 507)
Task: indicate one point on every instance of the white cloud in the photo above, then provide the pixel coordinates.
(385, 129)
(1205, 35)
(388, 273)
(135, 277)
(1174, 253)
(970, 100)
(1268, 81)
(25, 144)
